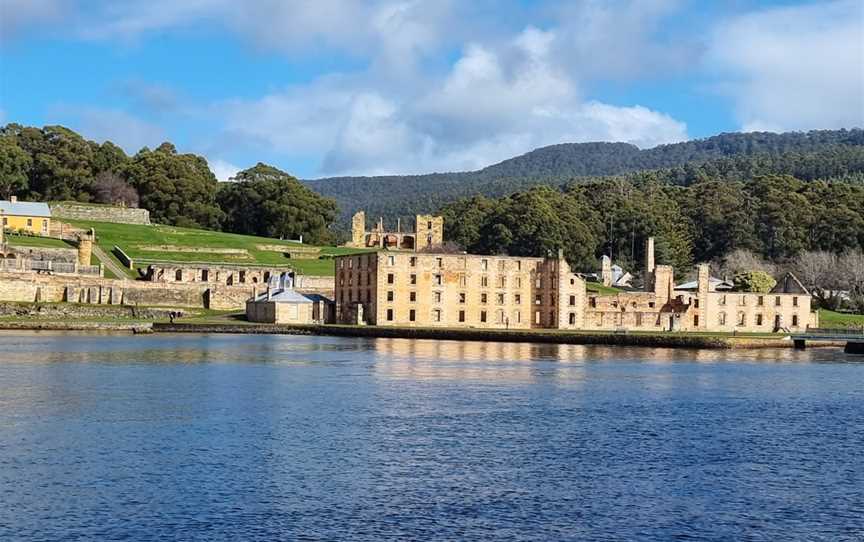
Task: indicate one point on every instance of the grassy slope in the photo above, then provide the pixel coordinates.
(44, 242)
(838, 319)
(132, 237)
(600, 289)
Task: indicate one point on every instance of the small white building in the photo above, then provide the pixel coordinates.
(285, 305)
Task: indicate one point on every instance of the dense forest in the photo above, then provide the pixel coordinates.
(805, 155)
(54, 163)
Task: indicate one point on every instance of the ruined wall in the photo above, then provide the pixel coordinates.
(64, 255)
(32, 287)
(100, 213)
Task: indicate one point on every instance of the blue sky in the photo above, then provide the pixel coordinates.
(333, 87)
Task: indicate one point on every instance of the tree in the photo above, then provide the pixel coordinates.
(15, 166)
(269, 202)
(177, 189)
(110, 188)
(754, 281)
(818, 271)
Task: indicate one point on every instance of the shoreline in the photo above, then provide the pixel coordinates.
(650, 340)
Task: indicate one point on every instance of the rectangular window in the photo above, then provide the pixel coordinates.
(391, 260)
(412, 297)
(537, 317)
(500, 299)
(518, 317)
(437, 296)
(412, 315)
(794, 301)
(484, 265)
(391, 278)
(760, 300)
(5, 221)
(463, 281)
(742, 319)
(742, 300)
(722, 300)
(696, 303)
(777, 301)
(695, 320)
(389, 315)
(538, 282)
(483, 298)
(439, 262)
(794, 320)
(638, 318)
(390, 295)
(518, 282)
(502, 282)
(44, 226)
(572, 300)
(412, 261)
(593, 302)
(29, 222)
(413, 279)
(436, 315)
(484, 282)
(461, 316)
(501, 265)
(537, 299)
(439, 280)
(518, 265)
(517, 299)
(462, 297)
(758, 319)
(483, 316)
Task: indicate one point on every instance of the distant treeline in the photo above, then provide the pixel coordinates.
(737, 157)
(54, 163)
(776, 216)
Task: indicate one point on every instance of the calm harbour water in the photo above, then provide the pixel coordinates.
(185, 437)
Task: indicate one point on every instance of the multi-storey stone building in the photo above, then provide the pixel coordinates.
(428, 232)
(463, 290)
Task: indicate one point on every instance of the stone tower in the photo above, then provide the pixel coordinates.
(606, 270)
(85, 247)
(358, 229)
(429, 230)
(703, 284)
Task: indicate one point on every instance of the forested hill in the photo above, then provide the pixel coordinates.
(403, 195)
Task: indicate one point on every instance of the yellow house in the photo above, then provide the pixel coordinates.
(34, 217)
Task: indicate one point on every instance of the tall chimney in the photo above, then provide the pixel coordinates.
(649, 264)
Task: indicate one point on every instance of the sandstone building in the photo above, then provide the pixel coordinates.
(428, 232)
(402, 288)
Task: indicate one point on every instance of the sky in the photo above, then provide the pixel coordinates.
(349, 87)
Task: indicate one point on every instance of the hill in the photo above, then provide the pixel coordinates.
(404, 195)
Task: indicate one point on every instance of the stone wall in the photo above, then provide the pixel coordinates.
(100, 213)
(65, 255)
(32, 287)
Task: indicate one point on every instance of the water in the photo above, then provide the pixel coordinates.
(313, 438)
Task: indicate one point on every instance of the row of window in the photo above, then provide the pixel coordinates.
(499, 317)
(760, 300)
(742, 320)
(29, 224)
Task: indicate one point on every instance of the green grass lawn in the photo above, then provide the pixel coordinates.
(600, 289)
(134, 238)
(831, 319)
(42, 242)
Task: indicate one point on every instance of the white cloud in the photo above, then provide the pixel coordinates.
(224, 171)
(794, 68)
(127, 131)
(17, 15)
(494, 103)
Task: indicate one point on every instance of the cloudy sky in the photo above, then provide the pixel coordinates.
(333, 87)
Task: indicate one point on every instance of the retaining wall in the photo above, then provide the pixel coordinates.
(100, 213)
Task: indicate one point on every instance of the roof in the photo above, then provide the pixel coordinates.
(290, 296)
(713, 284)
(25, 208)
(789, 284)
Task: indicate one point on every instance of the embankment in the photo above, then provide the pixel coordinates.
(658, 340)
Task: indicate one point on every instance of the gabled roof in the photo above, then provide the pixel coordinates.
(789, 284)
(25, 208)
(713, 284)
(290, 295)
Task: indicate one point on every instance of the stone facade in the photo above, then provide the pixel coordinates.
(214, 274)
(462, 290)
(100, 213)
(455, 290)
(428, 232)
